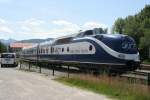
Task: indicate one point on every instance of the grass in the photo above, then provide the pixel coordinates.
(146, 61)
(116, 88)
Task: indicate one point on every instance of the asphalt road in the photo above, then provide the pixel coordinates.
(21, 85)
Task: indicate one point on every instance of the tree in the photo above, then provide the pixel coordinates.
(119, 26)
(133, 28)
(103, 30)
(2, 48)
(138, 27)
(145, 13)
(144, 17)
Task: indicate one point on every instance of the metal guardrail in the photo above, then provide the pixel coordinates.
(77, 64)
(145, 66)
(88, 67)
(139, 74)
(50, 64)
(142, 75)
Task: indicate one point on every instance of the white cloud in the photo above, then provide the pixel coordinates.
(4, 27)
(62, 22)
(36, 28)
(91, 25)
(33, 22)
(31, 25)
(2, 21)
(66, 27)
(4, 30)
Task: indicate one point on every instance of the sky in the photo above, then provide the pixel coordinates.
(27, 19)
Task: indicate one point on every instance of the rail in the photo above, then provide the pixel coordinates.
(142, 74)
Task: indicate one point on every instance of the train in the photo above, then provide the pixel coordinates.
(90, 46)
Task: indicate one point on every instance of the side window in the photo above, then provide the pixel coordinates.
(44, 50)
(90, 48)
(47, 50)
(67, 49)
(39, 51)
(62, 49)
(51, 49)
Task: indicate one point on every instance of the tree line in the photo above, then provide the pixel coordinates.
(2, 47)
(138, 27)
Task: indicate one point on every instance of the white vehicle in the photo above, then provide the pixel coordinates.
(8, 60)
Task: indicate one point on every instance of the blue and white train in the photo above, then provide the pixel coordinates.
(90, 46)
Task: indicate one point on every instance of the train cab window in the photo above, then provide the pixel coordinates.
(67, 49)
(86, 33)
(90, 48)
(89, 32)
(63, 40)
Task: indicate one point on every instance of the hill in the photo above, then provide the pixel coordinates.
(35, 40)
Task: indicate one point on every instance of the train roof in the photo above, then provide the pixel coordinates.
(96, 31)
(47, 42)
(67, 38)
(8, 53)
(114, 35)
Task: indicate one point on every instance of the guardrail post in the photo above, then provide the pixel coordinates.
(40, 69)
(20, 64)
(29, 66)
(53, 70)
(68, 71)
(148, 79)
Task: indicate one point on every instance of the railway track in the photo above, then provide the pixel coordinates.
(142, 74)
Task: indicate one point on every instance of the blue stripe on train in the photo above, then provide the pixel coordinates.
(100, 56)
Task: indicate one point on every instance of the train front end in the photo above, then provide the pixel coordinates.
(130, 51)
(121, 48)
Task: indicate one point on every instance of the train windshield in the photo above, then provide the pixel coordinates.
(86, 33)
(7, 56)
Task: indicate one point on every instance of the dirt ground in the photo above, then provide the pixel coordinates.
(21, 85)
